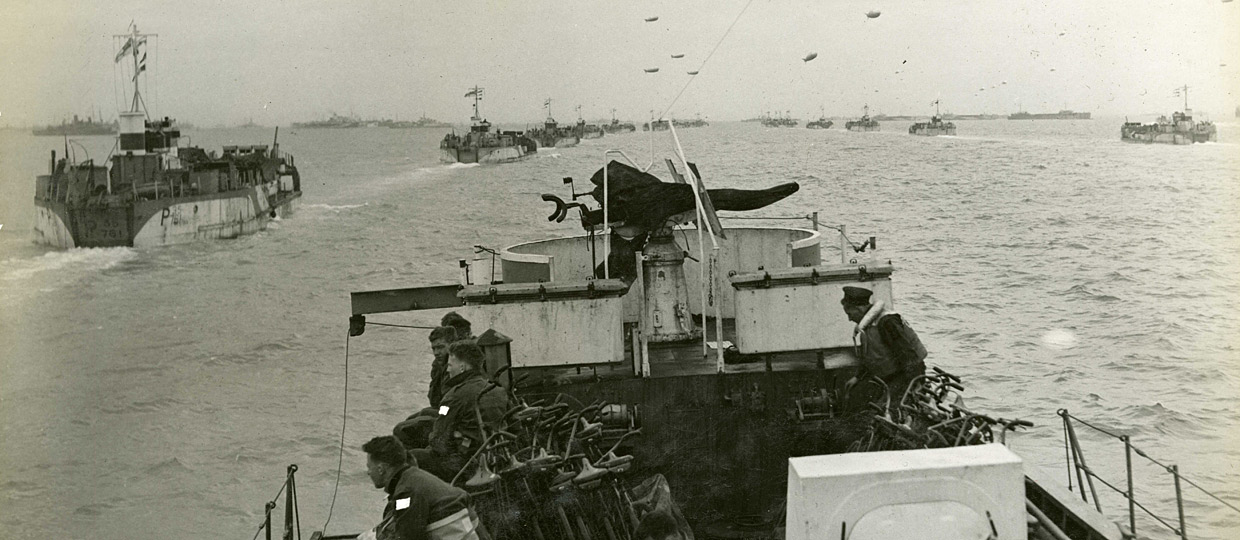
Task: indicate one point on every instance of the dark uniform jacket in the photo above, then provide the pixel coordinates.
(439, 372)
(890, 349)
(416, 499)
(456, 430)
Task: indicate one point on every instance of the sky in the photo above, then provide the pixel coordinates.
(226, 62)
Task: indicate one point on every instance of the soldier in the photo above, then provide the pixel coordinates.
(888, 348)
(461, 324)
(413, 431)
(470, 408)
(419, 505)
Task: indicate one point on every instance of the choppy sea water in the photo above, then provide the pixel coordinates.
(161, 393)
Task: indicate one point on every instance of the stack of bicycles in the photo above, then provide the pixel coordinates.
(929, 413)
(551, 470)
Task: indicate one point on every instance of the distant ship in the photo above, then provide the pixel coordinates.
(157, 191)
(584, 130)
(422, 122)
(617, 126)
(865, 123)
(936, 126)
(77, 127)
(950, 116)
(821, 122)
(551, 135)
(1180, 129)
(1065, 114)
(479, 145)
(786, 120)
(657, 125)
(334, 121)
(695, 122)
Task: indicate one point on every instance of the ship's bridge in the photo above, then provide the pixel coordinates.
(769, 299)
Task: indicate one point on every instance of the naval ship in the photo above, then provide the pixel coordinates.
(156, 191)
(1179, 129)
(657, 125)
(936, 126)
(865, 123)
(480, 145)
(697, 121)
(78, 127)
(1065, 114)
(786, 120)
(551, 134)
(821, 123)
(705, 389)
(586, 131)
(617, 126)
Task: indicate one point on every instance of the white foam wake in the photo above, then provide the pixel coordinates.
(78, 259)
(334, 207)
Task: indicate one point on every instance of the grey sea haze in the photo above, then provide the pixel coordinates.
(160, 393)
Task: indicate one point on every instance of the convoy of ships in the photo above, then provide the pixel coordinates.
(157, 191)
(738, 407)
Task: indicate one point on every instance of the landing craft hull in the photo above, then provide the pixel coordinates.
(498, 154)
(168, 221)
(1168, 137)
(864, 128)
(558, 142)
(933, 132)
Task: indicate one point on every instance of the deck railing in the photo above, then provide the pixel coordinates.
(1085, 475)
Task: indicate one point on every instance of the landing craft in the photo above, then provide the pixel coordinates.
(809, 57)
(693, 73)
(678, 56)
(873, 14)
(651, 19)
(652, 70)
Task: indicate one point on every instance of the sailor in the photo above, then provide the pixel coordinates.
(461, 324)
(888, 348)
(470, 409)
(413, 431)
(419, 505)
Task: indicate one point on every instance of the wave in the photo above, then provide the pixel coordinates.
(453, 166)
(153, 405)
(83, 259)
(334, 207)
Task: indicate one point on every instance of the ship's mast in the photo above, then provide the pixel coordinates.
(132, 45)
(476, 93)
(936, 107)
(548, 105)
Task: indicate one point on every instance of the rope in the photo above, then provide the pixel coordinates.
(798, 218)
(267, 508)
(403, 325)
(1154, 461)
(344, 419)
(703, 64)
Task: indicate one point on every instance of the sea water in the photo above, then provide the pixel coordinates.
(161, 393)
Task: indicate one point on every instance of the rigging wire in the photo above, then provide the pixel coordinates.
(704, 61)
(344, 419)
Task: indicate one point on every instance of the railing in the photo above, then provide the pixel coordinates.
(845, 243)
(1085, 475)
(292, 518)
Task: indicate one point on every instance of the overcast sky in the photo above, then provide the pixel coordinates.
(225, 61)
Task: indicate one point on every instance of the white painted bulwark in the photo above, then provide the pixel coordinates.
(206, 219)
(928, 494)
(50, 230)
(556, 332)
(794, 315)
